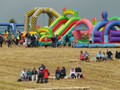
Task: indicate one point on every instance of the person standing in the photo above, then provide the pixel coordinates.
(53, 41)
(5, 36)
(67, 40)
(9, 39)
(72, 41)
(1, 40)
(46, 75)
(62, 41)
(56, 41)
(45, 43)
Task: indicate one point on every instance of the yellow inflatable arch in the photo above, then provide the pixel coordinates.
(34, 13)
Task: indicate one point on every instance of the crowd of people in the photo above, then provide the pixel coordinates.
(41, 74)
(76, 73)
(100, 56)
(32, 40)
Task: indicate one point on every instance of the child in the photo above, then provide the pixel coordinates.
(72, 73)
(82, 58)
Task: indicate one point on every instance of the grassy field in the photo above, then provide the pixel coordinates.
(99, 75)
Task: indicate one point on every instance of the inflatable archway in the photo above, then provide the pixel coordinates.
(111, 35)
(87, 23)
(35, 14)
(97, 36)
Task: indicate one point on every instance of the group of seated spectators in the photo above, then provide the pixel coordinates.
(104, 56)
(41, 75)
(60, 73)
(76, 73)
(101, 56)
(84, 55)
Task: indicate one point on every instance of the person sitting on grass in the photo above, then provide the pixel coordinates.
(63, 72)
(82, 57)
(29, 75)
(78, 72)
(109, 54)
(72, 73)
(104, 56)
(58, 73)
(23, 75)
(99, 56)
(86, 55)
(34, 74)
(117, 55)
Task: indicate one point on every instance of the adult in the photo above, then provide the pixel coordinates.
(29, 40)
(58, 73)
(40, 75)
(5, 36)
(72, 41)
(63, 72)
(46, 42)
(109, 54)
(104, 57)
(86, 55)
(33, 39)
(62, 41)
(56, 41)
(34, 74)
(82, 57)
(1, 40)
(78, 72)
(29, 75)
(46, 75)
(23, 75)
(67, 40)
(72, 73)
(99, 56)
(9, 39)
(116, 55)
(53, 41)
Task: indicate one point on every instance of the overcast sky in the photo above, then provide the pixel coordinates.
(87, 8)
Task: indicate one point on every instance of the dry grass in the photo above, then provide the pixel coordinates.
(99, 75)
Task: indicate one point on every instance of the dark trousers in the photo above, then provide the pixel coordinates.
(45, 80)
(33, 44)
(1, 44)
(9, 43)
(40, 78)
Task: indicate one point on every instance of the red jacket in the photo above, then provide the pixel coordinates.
(82, 57)
(46, 73)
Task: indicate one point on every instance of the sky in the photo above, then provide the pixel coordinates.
(87, 8)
